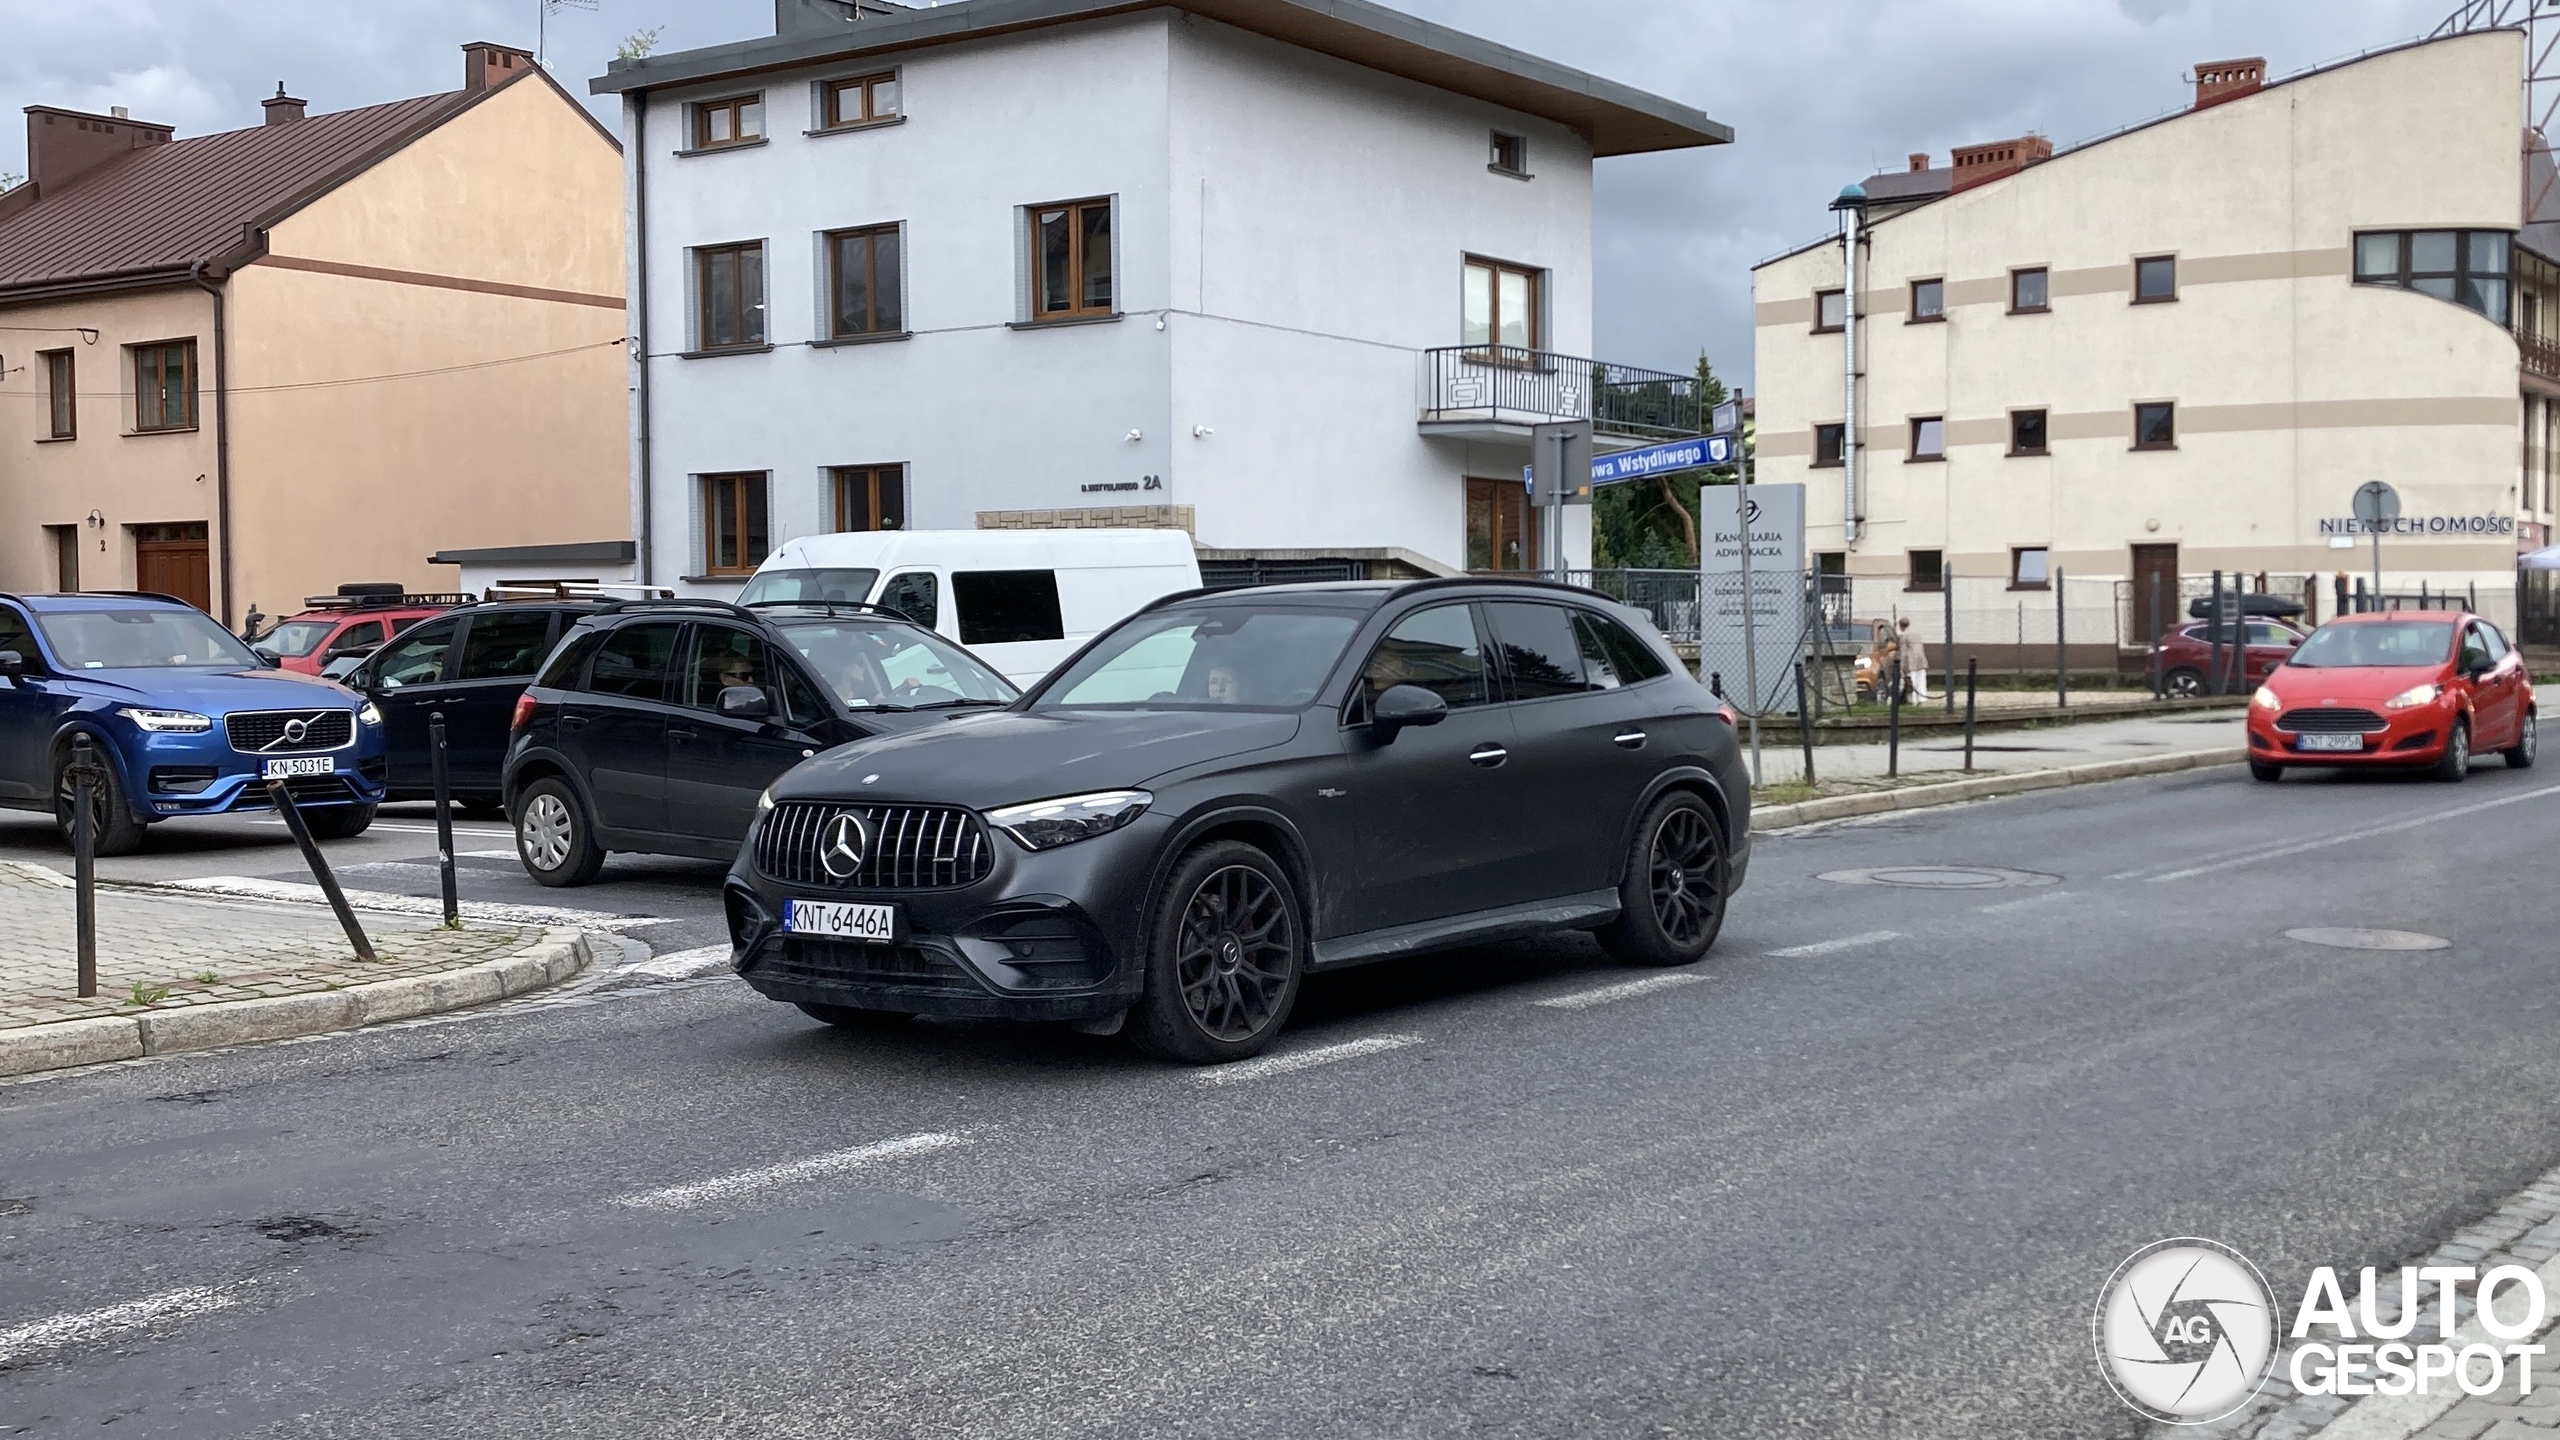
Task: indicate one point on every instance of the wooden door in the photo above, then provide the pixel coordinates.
(1502, 530)
(2150, 561)
(171, 560)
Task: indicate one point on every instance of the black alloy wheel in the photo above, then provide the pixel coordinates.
(112, 828)
(2455, 766)
(1671, 903)
(2182, 684)
(1226, 954)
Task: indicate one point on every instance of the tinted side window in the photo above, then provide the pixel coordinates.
(1436, 649)
(502, 644)
(417, 658)
(800, 702)
(632, 662)
(2475, 648)
(1538, 649)
(569, 659)
(723, 657)
(14, 635)
(916, 595)
(355, 639)
(2489, 636)
(1002, 607)
(1632, 660)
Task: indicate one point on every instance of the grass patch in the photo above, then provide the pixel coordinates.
(149, 994)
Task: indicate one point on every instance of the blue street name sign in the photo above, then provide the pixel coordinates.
(1658, 459)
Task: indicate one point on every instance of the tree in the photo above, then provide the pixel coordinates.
(1655, 527)
(9, 180)
(637, 44)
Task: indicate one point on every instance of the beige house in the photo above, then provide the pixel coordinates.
(247, 367)
(2181, 349)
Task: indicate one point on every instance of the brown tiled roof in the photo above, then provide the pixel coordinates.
(164, 207)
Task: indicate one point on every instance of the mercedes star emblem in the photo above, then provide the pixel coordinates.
(841, 846)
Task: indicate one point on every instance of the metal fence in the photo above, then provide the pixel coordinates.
(1506, 383)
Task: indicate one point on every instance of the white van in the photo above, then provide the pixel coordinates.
(1022, 599)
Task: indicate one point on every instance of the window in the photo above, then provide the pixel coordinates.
(1501, 306)
(504, 645)
(915, 594)
(1928, 300)
(1928, 438)
(61, 396)
(2471, 268)
(1510, 155)
(2027, 568)
(1928, 569)
(1437, 650)
(2155, 426)
(1071, 260)
(867, 664)
(722, 657)
(729, 296)
(733, 523)
(2475, 650)
(869, 497)
(1538, 649)
(864, 100)
(356, 639)
(1830, 309)
(164, 386)
(863, 279)
(738, 120)
(2027, 291)
(632, 662)
(1006, 607)
(2026, 432)
(1611, 656)
(2155, 279)
(834, 583)
(416, 658)
(1829, 443)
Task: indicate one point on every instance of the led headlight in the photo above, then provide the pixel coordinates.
(764, 801)
(1047, 824)
(168, 722)
(2266, 699)
(2412, 697)
(369, 713)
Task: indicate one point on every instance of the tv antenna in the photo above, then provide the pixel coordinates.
(544, 10)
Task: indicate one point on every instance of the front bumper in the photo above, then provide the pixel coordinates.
(173, 775)
(2416, 736)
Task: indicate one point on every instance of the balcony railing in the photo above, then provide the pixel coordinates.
(2541, 356)
(1505, 385)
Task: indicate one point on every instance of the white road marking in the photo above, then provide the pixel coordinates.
(251, 888)
(2021, 904)
(506, 854)
(2349, 836)
(1303, 1059)
(1585, 999)
(686, 1197)
(61, 1330)
(682, 964)
(1834, 947)
(427, 829)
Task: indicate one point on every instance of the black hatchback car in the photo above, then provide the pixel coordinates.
(657, 724)
(468, 665)
(1229, 790)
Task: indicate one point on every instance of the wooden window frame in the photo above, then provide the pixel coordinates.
(142, 393)
(1079, 281)
(1912, 316)
(2016, 551)
(739, 483)
(1911, 581)
(873, 479)
(2044, 309)
(2404, 274)
(896, 287)
(2169, 444)
(2141, 260)
(1818, 327)
(1912, 454)
(1493, 346)
(865, 89)
(735, 107)
(703, 256)
(1837, 460)
(62, 394)
(2044, 417)
(1518, 145)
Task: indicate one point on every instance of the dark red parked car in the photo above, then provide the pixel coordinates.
(2186, 655)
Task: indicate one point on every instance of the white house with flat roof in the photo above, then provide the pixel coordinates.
(1299, 276)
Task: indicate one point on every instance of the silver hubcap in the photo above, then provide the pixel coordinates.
(544, 832)
(2527, 746)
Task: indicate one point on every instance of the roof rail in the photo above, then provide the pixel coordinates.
(575, 590)
(381, 601)
(859, 607)
(1444, 582)
(128, 594)
(676, 602)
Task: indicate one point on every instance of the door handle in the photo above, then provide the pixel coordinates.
(573, 722)
(1629, 739)
(676, 732)
(1487, 756)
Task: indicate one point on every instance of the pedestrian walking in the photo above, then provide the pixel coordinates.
(1915, 661)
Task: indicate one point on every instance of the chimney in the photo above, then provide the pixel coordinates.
(282, 109)
(1919, 161)
(486, 65)
(1982, 164)
(63, 145)
(2220, 80)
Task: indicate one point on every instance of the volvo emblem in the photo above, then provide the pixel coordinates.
(841, 844)
(296, 730)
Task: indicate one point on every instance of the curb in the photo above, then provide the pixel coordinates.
(1981, 787)
(558, 955)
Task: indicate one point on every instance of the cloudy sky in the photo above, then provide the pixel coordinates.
(1820, 92)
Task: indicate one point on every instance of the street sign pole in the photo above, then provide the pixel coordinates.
(2376, 505)
(1750, 598)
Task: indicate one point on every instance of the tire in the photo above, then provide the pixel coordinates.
(112, 828)
(1672, 901)
(338, 822)
(2520, 755)
(555, 839)
(2182, 683)
(2455, 766)
(1226, 951)
(854, 1017)
(2264, 770)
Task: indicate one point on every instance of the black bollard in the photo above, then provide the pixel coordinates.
(1804, 723)
(1893, 727)
(283, 798)
(84, 856)
(444, 821)
(1969, 676)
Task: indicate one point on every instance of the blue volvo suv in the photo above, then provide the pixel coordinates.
(187, 719)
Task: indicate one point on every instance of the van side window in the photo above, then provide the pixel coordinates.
(1003, 607)
(916, 595)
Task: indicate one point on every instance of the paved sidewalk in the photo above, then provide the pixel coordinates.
(2043, 747)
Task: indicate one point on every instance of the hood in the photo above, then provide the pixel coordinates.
(2368, 685)
(1008, 756)
(218, 692)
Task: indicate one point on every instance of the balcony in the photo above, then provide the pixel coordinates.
(2541, 357)
(1499, 392)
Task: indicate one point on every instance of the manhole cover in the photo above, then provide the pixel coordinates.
(1943, 877)
(2369, 939)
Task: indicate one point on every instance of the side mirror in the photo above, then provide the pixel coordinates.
(744, 702)
(12, 664)
(1404, 706)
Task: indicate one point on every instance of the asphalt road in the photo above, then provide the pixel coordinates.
(1870, 1187)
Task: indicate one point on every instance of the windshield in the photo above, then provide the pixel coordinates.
(1211, 655)
(142, 640)
(2384, 642)
(297, 637)
(872, 665)
(771, 585)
